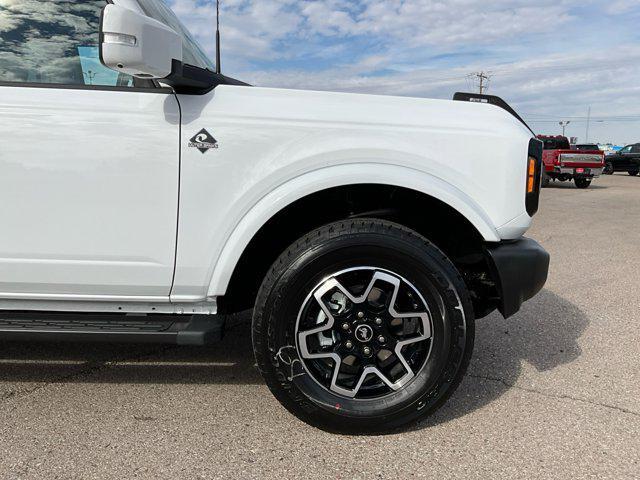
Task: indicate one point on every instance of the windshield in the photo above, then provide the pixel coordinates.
(192, 53)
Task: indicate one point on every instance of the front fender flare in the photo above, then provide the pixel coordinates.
(337, 176)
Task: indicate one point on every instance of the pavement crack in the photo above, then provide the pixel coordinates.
(556, 396)
(86, 369)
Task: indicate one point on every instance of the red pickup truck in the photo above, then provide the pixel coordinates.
(564, 164)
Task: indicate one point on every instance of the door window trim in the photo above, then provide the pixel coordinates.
(108, 88)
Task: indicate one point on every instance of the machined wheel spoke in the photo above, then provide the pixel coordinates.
(362, 332)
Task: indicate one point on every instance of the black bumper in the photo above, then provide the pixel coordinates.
(519, 269)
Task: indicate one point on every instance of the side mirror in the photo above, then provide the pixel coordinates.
(137, 45)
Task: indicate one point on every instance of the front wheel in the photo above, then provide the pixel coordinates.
(363, 326)
(583, 182)
(633, 173)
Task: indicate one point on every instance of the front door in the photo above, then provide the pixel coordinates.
(89, 163)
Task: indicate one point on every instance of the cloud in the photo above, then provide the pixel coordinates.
(40, 40)
(620, 7)
(550, 58)
(251, 28)
(426, 22)
(260, 24)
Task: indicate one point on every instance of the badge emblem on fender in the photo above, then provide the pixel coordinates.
(203, 141)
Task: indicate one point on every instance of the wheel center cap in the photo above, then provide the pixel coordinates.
(364, 333)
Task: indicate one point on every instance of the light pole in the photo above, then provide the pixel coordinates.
(564, 124)
(588, 124)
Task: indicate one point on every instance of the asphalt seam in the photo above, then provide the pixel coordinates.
(86, 369)
(91, 368)
(556, 396)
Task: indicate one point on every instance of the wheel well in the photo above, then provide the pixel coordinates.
(437, 221)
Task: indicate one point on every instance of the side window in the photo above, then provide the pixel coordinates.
(626, 149)
(56, 42)
(635, 148)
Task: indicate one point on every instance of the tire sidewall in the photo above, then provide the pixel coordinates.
(421, 264)
(583, 182)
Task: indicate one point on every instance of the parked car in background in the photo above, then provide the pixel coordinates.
(565, 164)
(624, 160)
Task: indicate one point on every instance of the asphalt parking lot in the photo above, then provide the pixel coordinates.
(551, 393)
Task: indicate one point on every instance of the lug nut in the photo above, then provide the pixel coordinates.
(381, 339)
(345, 326)
(366, 351)
(378, 321)
(360, 314)
(348, 344)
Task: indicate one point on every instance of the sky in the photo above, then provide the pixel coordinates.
(550, 59)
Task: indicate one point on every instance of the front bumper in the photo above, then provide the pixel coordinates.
(519, 269)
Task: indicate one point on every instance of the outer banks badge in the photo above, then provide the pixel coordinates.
(203, 141)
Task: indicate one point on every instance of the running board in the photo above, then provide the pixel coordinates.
(116, 328)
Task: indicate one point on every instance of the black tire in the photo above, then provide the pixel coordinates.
(583, 182)
(633, 173)
(545, 180)
(352, 244)
(608, 168)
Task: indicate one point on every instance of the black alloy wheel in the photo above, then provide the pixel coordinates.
(363, 326)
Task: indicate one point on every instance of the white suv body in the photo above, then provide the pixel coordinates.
(144, 195)
(108, 208)
(277, 146)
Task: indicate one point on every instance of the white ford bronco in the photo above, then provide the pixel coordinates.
(145, 196)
